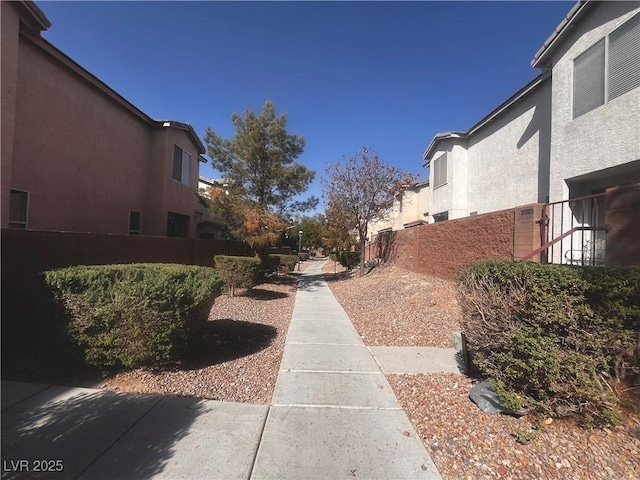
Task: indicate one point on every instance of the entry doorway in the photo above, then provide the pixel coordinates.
(177, 225)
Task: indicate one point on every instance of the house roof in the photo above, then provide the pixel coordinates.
(519, 95)
(540, 59)
(209, 181)
(33, 17)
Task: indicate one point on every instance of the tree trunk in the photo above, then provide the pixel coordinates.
(363, 240)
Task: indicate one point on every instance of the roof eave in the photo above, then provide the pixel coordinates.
(37, 18)
(189, 129)
(549, 44)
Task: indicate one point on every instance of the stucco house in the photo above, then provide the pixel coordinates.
(409, 209)
(500, 162)
(76, 155)
(573, 133)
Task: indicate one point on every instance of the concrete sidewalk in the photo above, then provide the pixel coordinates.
(333, 412)
(333, 416)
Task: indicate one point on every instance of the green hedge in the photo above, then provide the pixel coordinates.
(553, 334)
(281, 263)
(303, 256)
(237, 272)
(134, 315)
(349, 260)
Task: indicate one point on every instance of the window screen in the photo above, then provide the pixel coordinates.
(623, 73)
(440, 171)
(588, 80)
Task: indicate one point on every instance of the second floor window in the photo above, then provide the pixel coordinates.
(440, 171)
(181, 166)
(608, 69)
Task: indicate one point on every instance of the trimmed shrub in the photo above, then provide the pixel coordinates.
(237, 272)
(134, 315)
(333, 257)
(349, 260)
(551, 335)
(282, 263)
(303, 256)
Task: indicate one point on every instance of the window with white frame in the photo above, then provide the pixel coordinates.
(18, 209)
(134, 223)
(181, 166)
(440, 171)
(608, 69)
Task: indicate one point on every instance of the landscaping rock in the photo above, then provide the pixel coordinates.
(485, 397)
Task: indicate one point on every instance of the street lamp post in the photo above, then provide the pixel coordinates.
(299, 248)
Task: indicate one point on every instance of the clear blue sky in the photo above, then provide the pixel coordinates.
(387, 75)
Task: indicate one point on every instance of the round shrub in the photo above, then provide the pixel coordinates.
(134, 315)
(553, 334)
(237, 272)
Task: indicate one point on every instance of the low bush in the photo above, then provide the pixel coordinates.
(134, 315)
(282, 263)
(333, 257)
(237, 272)
(349, 260)
(551, 335)
(303, 256)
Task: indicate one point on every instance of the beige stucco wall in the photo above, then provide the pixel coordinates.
(502, 164)
(508, 158)
(409, 207)
(605, 137)
(452, 196)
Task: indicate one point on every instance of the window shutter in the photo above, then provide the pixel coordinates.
(624, 58)
(588, 80)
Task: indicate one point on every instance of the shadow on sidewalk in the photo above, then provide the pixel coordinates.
(311, 283)
(77, 429)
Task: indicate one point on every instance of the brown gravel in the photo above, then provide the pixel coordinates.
(247, 335)
(466, 443)
(394, 307)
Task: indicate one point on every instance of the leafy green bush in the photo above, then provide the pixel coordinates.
(333, 257)
(551, 333)
(133, 315)
(237, 272)
(282, 263)
(303, 256)
(349, 260)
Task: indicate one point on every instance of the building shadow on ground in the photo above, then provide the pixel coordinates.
(74, 429)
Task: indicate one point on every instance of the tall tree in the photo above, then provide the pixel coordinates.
(259, 162)
(359, 190)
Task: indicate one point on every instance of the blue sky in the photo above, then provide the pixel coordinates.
(387, 75)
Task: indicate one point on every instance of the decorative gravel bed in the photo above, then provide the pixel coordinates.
(246, 334)
(468, 444)
(394, 307)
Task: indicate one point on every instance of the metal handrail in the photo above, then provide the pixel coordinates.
(557, 239)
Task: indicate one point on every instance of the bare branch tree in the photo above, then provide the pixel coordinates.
(359, 190)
